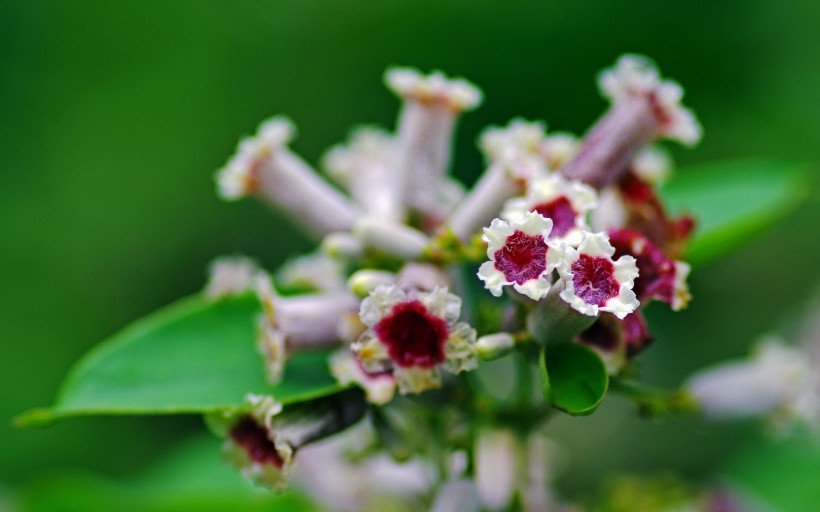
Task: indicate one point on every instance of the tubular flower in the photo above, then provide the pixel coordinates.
(365, 167)
(424, 134)
(592, 281)
(230, 276)
(644, 109)
(413, 334)
(514, 159)
(291, 324)
(263, 165)
(565, 203)
(518, 252)
(263, 438)
(659, 278)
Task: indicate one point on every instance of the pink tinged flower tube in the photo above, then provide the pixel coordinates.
(366, 168)
(379, 387)
(659, 278)
(566, 203)
(518, 252)
(514, 155)
(262, 442)
(299, 322)
(264, 166)
(431, 107)
(414, 334)
(644, 108)
(592, 281)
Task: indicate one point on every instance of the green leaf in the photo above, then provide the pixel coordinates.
(194, 356)
(573, 378)
(733, 201)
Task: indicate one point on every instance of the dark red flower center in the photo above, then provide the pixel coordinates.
(413, 336)
(594, 279)
(561, 212)
(522, 258)
(253, 438)
(656, 273)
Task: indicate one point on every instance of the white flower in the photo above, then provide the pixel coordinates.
(424, 135)
(230, 276)
(515, 160)
(366, 168)
(592, 281)
(299, 322)
(635, 76)
(773, 378)
(263, 165)
(414, 333)
(564, 202)
(379, 387)
(518, 252)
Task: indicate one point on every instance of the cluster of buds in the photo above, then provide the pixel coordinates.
(572, 229)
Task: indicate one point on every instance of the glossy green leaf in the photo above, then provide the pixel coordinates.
(194, 356)
(733, 201)
(573, 378)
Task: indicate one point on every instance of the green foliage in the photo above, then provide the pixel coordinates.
(573, 378)
(783, 473)
(192, 478)
(733, 201)
(194, 356)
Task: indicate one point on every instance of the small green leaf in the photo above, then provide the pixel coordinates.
(194, 356)
(733, 201)
(573, 378)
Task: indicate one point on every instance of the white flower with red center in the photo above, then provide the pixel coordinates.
(660, 278)
(564, 202)
(414, 333)
(593, 281)
(518, 252)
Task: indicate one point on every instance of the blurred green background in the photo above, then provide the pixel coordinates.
(114, 116)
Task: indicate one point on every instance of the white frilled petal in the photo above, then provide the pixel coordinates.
(681, 296)
(271, 343)
(230, 276)
(379, 388)
(652, 165)
(624, 272)
(380, 303)
(521, 136)
(559, 148)
(581, 198)
(456, 94)
(443, 304)
(634, 76)
(416, 380)
(460, 349)
(497, 237)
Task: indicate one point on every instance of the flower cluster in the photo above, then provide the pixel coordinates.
(571, 227)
